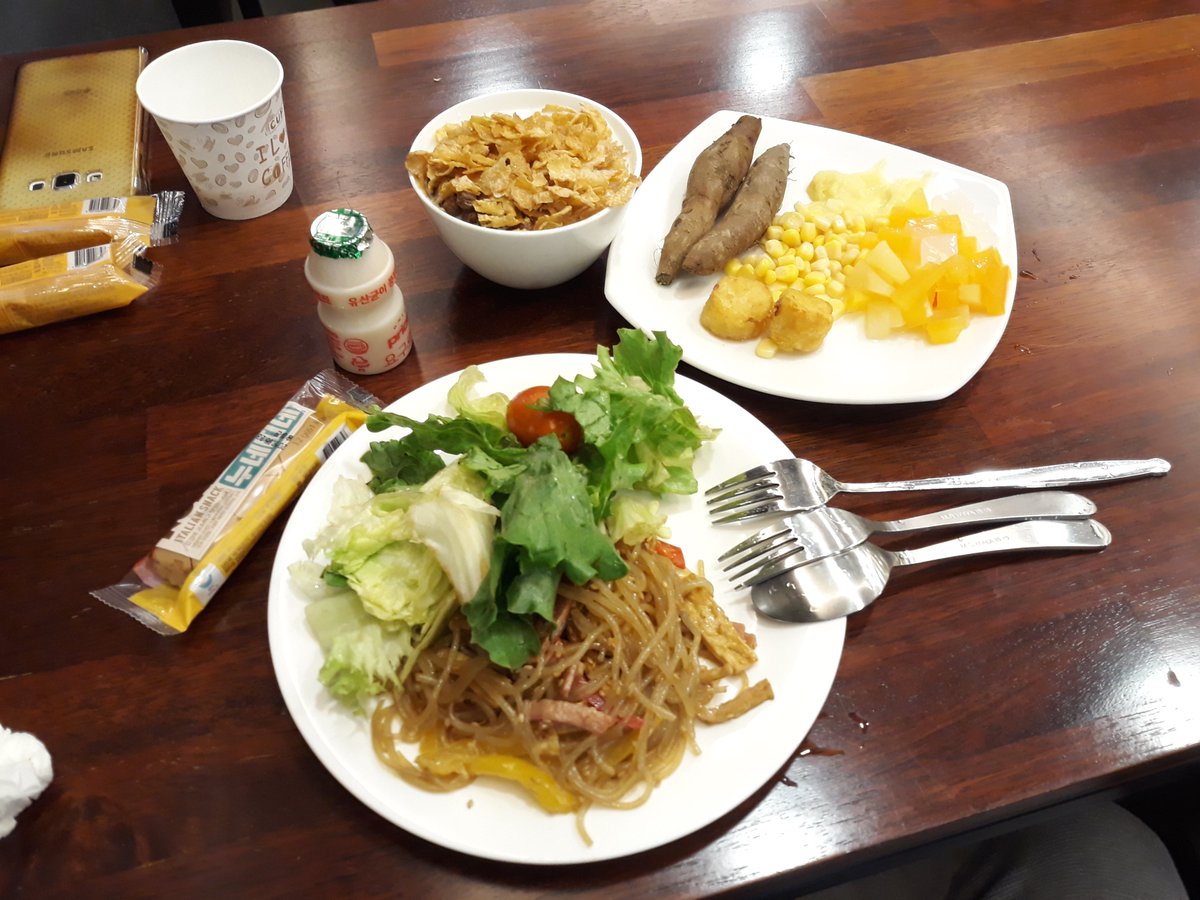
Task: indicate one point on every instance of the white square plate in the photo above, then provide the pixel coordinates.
(848, 368)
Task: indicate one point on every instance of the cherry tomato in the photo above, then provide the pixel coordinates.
(671, 552)
(529, 423)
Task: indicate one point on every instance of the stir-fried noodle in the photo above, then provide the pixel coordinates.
(601, 715)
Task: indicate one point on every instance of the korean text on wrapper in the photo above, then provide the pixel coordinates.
(167, 588)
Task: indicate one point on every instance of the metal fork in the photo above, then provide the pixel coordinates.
(797, 485)
(825, 531)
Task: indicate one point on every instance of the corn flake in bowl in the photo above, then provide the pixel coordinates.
(526, 187)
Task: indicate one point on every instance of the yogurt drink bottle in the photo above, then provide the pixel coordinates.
(353, 275)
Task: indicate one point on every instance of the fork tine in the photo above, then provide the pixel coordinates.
(768, 559)
(741, 489)
(771, 531)
(750, 512)
(765, 548)
(769, 497)
(749, 475)
(776, 567)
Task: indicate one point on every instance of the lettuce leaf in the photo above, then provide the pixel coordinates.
(491, 409)
(508, 638)
(634, 517)
(548, 517)
(637, 433)
(362, 655)
(638, 437)
(414, 458)
(547, 531)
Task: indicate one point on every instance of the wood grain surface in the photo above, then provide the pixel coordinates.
(971, 694)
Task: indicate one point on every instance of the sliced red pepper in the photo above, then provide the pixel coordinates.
(671, 552)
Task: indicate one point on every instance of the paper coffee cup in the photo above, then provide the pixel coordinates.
(219, 104)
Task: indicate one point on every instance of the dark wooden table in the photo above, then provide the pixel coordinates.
(970, 695)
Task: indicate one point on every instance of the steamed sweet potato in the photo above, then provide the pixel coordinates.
(748, 216)
(712, 181)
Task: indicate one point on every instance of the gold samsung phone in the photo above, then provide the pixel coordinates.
(76, 130)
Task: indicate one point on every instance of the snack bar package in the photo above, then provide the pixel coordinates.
(73, 284)
(168, 588)
(49, 230)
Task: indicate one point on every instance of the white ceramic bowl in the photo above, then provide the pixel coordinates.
(526, 259)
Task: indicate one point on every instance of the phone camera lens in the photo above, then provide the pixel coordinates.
(37, 185)
(66, 180)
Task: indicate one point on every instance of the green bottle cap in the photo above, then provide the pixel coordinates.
(341, 234)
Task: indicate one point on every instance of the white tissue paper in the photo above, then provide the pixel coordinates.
(25, 771)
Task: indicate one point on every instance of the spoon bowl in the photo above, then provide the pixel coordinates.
(850, 581)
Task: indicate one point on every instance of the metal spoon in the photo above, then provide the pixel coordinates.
(850, 581)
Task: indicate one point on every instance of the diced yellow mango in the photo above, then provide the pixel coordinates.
(949, 223)
(914, 296)
(945, 331)
(992, 277)
(972, 296)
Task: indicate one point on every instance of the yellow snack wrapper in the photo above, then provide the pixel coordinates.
(166, 589)
(73, 284)
(49, 230)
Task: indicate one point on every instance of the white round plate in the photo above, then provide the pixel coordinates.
(848, 368)
(487, 818)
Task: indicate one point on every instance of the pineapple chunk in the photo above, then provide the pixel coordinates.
(883, 259)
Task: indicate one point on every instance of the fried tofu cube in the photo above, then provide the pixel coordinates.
(738, 308)
(801, 322)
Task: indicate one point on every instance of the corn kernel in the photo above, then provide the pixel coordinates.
(768, 278)
(839, 305)
(808, 232)
(766, 349)
(791, 220)
(817, 290)
(807, 250)
(821, 252)
(835, 288)
(834, 249)
(732, 267)
(839, 225)
(763, 266)
(775, 249)
(850, 253)
(746, 270)
(787, 259)
(823, 221)
(774, 232)
(791, 237)
(821, 265)
(815, 278)
(835, 265)
(787, 274)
